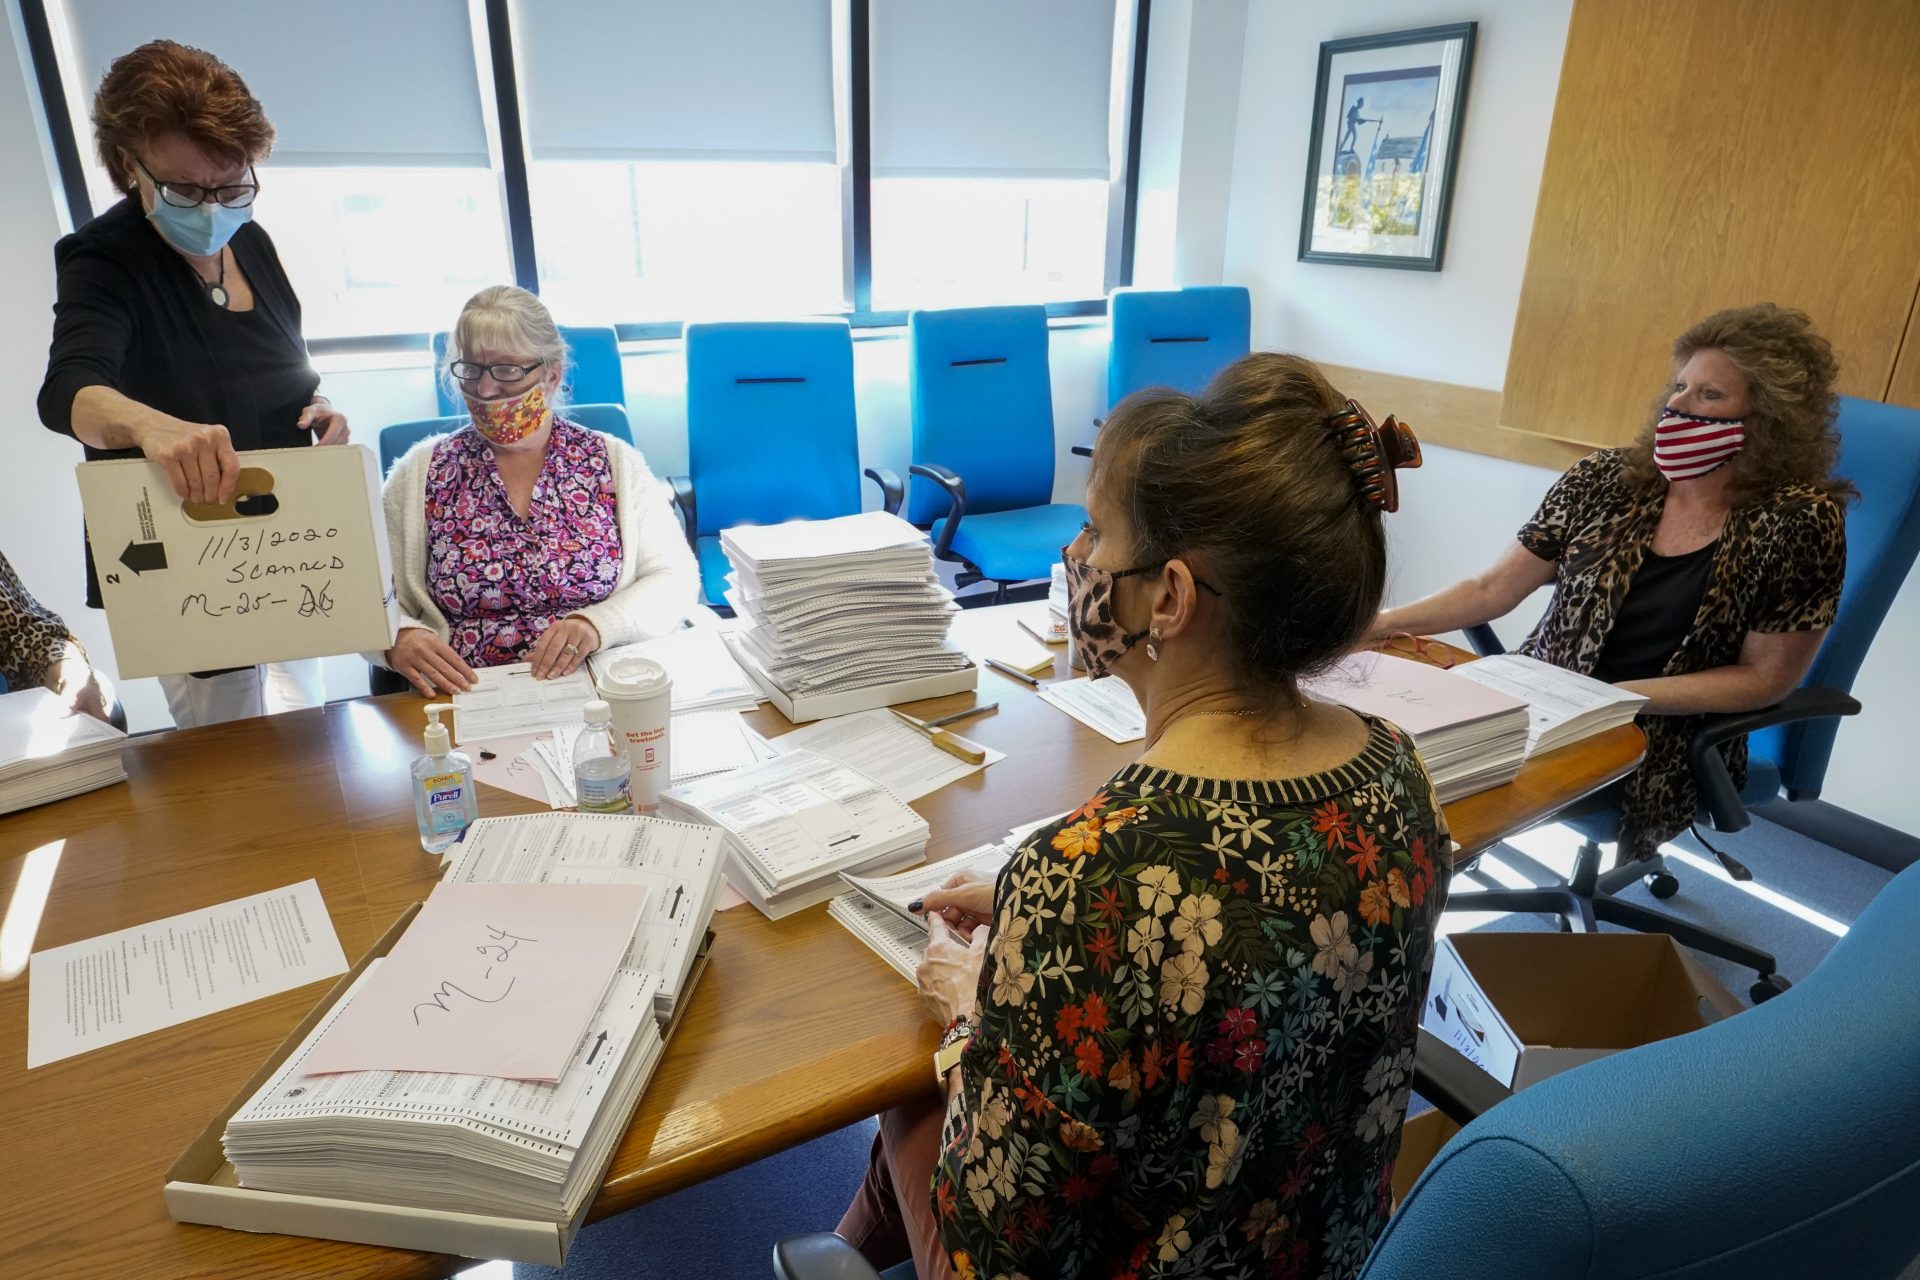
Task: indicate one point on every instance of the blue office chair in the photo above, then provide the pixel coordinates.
(607, 419)
(1774, 1145)
(1175, 338)
(596, 376)
(771, 433)
(1789, 743)
(983, 443)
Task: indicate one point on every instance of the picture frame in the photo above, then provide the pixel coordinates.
(1385, 145)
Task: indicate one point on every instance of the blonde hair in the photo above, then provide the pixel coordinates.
(505, 317)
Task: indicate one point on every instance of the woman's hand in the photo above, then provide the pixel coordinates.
(429, 663)
(198, 457)
(74, 679)
(964, 902)
(328, 426)
(949, 978)
(562, 647)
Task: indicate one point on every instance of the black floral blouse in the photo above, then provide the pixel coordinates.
(1779, 567)
(1197, 1023)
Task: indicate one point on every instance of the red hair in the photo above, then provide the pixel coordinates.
(167, 87)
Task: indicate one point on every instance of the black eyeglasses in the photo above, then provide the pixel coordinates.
(187, 195)
(468, 371)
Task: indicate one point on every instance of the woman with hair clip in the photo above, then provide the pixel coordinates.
(1700, 566)
(1179, 1030)
(523, 537)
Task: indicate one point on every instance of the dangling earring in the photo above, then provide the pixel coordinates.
(1153, 640)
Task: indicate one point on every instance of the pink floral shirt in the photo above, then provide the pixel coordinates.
(502, 580)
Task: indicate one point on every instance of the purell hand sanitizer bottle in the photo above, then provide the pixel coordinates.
(443, 799)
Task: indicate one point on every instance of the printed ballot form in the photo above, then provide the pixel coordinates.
(507, 700)
(90, 994)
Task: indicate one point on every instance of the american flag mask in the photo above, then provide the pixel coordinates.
(1686, 445)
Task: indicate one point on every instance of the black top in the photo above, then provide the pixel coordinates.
(1655, 615)
(130, 314)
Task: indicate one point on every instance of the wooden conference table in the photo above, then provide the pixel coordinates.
(795, 1031)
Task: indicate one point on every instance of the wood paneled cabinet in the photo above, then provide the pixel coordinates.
(1713, 153)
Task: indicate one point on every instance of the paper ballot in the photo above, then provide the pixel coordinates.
(505, 701)
(120, 985)
(678, 863)
(488, 980)
(1106, 706)
(891, 753)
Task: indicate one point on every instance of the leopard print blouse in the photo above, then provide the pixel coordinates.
(1779, 567)
(33, 639)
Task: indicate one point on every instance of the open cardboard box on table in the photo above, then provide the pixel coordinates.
(1525, 1006)
(202, 1187)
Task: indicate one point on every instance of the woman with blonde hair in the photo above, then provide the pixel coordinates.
(1700, 566)
(523, 537)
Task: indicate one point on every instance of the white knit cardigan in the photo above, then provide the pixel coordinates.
(658, 586)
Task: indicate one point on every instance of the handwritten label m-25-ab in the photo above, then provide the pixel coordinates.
(270, 556)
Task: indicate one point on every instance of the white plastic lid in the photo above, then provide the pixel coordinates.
(596, 710)
(635, 678)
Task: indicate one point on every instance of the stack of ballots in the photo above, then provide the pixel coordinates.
(48, 752)
(793, 824)
(444, 1141)
(1470, 737)
(842, 615)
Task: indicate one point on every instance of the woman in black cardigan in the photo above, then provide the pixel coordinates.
(176, 334)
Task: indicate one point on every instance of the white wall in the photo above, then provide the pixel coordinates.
(1455, 325)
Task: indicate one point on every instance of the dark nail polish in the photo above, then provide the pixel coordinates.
(915, 905)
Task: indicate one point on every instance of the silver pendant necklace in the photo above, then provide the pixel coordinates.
(217, 289)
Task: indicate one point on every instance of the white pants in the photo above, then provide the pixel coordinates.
(237, 695)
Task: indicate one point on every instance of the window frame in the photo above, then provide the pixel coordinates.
(517, 201)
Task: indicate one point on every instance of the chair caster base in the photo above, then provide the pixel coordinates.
(1661, 884)
(1769, 986)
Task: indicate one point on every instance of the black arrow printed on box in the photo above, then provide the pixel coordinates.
(598, 1044)
(144, 556)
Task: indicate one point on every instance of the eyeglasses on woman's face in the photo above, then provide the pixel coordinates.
(504, 374)
(190, 195)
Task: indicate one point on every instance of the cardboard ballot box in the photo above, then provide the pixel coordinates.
(295, 567)
(1525, 1006)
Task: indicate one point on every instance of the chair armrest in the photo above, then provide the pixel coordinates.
(956, 488)
(1452, 1082)
(820, 1256)
(1717, 793)
(892, 491)
(689, 512)
(1086, 450)
(1485, 643)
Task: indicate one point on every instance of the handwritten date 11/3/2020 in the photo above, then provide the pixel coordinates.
(498, 952)
(311, 601)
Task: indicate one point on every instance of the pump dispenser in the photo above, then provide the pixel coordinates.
(444, 803)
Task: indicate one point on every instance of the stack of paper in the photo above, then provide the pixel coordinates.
(447, 1141)
(838, 605)
(1106, 706)
(1058, 599)
(677, 862)
(876, 910)
(885, 748)
(792, 825)
(1562, 706)
(700, 743)
(47, 753)
(507, 701)
(705, 676)
(1469, 736)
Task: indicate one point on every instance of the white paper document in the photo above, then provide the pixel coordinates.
(1562, 706)
(704, 674)
(507, 700)
(1105, 706)
(891, 753)
(894, 892)
(99, 992)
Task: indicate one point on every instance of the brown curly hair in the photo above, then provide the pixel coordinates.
(1790, 370)
(168, 87)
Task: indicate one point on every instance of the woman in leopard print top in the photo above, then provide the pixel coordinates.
(1700, 566)
(37, 649)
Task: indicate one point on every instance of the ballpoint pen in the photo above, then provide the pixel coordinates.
(1012, 672)
(962, 715)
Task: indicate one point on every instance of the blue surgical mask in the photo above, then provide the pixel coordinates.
(202, 230)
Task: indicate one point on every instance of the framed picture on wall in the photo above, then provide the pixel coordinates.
(1387, 111)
